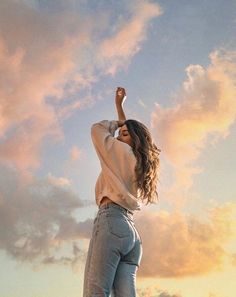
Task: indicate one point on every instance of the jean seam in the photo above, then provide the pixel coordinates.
(139, 236)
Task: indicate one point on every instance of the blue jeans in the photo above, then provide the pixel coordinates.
(114, 254)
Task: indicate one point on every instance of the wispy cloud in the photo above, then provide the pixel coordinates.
(75, 153)
(117, 51)
(58, 181)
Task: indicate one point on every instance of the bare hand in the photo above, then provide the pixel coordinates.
(120, 95)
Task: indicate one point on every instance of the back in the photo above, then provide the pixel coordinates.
(117, 177)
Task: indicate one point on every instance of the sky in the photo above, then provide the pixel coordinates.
(60, 64)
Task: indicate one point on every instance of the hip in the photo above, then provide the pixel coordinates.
(120, 221)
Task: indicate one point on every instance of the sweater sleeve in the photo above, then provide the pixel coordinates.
(112, 153)
(102, 134)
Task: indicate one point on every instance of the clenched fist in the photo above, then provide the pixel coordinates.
(120, 95)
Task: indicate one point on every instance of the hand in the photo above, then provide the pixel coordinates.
(120, 95)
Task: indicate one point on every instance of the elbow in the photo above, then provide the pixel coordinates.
(94, 131)
(93, 128)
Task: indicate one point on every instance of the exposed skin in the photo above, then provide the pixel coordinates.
(124, 135)
(120, 98)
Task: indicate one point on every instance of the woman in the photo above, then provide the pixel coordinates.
(129, 175)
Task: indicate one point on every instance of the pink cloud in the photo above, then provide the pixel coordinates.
(117, 51)
(46, 57)
(75, 153)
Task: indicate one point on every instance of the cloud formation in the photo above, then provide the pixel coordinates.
(203, 112)
(37, 219)
(178, 245)
(75, 153)
(51, 55)
(154, 291)
(118, 50)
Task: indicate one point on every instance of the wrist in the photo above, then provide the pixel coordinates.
(120, 123)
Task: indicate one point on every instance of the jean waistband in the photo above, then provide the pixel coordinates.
(115, 205)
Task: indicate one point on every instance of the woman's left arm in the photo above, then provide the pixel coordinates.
(104, 141)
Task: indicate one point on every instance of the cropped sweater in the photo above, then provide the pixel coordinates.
(117, 177)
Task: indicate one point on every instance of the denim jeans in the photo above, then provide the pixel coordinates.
(114, 254)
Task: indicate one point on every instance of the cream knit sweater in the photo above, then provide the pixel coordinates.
(118, 161)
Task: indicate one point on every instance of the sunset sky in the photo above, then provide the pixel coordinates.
(60, 63)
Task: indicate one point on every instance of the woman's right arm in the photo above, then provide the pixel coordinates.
(119, 100)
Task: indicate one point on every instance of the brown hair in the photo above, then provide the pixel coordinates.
(147, 155)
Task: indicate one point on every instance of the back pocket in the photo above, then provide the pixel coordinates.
(118, 226)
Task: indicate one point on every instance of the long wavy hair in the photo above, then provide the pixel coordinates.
(147, 155)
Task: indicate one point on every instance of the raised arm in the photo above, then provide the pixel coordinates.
(103, 132)
(119, 100)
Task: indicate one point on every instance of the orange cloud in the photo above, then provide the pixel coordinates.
(37, 220)
(203, 112)
(152, 291)
(233, 258)
(177, 245)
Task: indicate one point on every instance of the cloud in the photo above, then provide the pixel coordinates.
(203, 112)
(37, 219)
(34, 63)
(75, 153)
(233, 259)
(73, 162)
(74, 260)
(165, 294)
(117, 51)
(49, 63)
(61, 181)
(154, 291)
(50, 57)
(178, 245)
